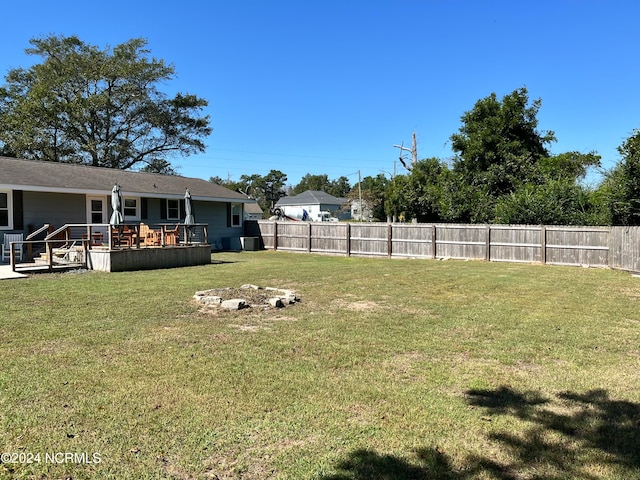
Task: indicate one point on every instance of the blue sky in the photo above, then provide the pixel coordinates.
(328, 87)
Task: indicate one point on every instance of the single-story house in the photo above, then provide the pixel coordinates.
(316, 201)
(34, 193)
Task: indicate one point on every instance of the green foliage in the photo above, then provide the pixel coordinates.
(555, 202)
(98, 107)
(159, 166)
(271, 188)
(266, 190)
(373, 191)
(465, 203)
(558, 198)
(569, 165)
(395, 204)
(498, 149)
(338, 188)
(621, 187)
(419, 194)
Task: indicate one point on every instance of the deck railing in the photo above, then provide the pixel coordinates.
(67, 245)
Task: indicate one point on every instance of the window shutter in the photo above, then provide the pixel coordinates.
(181, 214)
(18, 217)
(163, 208)
(143, 208)
(228, 215)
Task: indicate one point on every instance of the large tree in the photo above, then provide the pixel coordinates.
(499, 149)
(266, 190)
(99, 107)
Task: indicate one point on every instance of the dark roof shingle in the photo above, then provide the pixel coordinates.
(52, 176)
(311, 197)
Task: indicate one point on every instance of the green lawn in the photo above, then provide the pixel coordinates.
(386, 369)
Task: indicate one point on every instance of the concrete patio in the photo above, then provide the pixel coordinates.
(7, 274)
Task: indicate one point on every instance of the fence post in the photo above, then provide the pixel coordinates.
(609, 246)
(309, 238)
(50, 253)
(275, 235)
(389, 239)
(348, 234)
(433, 241)
(543, 244)
(487, 247)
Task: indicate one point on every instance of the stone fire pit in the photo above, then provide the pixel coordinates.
(247, 296)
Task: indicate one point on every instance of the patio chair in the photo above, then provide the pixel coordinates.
(12, 237)
(149, 236)
(172, 237)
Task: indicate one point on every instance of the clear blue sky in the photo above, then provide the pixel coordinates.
(329, 86)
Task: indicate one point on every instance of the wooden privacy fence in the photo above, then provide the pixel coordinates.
(615, 247)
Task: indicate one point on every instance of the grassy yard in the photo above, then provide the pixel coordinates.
(387, 369)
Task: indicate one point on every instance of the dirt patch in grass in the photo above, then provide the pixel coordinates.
(359, 306)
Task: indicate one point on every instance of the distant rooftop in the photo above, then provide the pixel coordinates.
(311, 197)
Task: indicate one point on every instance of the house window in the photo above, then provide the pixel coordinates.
(132, 209)
(236, 214)
(96, 211)
(173, 209)
(6, 213)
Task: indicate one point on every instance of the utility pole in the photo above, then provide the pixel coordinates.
(360, 194)
(413, 150)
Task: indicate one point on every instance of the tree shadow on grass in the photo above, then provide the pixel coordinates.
(221, 262)
(569, 435)
(566, 436)
(369, 465)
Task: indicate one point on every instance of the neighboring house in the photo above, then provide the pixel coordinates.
(316, 201)
(34, 193)
(362, 215)
(252, 211)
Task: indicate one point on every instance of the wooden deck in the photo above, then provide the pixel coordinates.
(120, 259)
(110, 249)
(128, 259)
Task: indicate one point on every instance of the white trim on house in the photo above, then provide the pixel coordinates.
(236, 214)
(173, 207)
(9, 208)
(90, 211)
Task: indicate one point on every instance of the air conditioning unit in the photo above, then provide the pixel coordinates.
(250, 243)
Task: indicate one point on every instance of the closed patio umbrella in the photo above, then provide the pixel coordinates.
(116, 205)
(190, 218)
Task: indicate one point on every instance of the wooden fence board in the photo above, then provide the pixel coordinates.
(414, 240)
(461, 241)
(582, 246)
(624, 251)
(293, 236)
(329, 237)
(369, 239)
(516, 243)
(615, 247)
